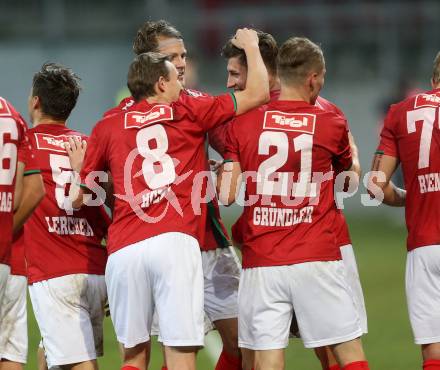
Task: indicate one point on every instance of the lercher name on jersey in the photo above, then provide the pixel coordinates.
(297, 122)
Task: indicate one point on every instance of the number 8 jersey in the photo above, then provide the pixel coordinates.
(287, 150)
(156, 156)
(411, 133)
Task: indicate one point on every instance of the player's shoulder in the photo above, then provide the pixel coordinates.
(430, 98)
(195, 93)
(123, 106)
(327, 105)
(8, 110)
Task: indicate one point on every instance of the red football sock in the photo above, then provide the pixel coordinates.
(164, 368)
(227, 361)
(128, 367)
(334, 367)
(357, 365)
(431, 365)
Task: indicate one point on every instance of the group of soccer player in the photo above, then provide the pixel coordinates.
(163, 260)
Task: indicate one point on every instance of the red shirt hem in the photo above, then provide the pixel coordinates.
(35, 278)
(269, 263)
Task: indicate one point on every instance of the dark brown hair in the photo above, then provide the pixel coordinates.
(268, 49)
(147, 37)
(297, 57)
(144, 72)
(58, 88)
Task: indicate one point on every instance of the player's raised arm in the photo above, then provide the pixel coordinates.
(380, 182)
(257, 85)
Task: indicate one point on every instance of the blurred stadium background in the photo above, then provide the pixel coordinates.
(377, 52)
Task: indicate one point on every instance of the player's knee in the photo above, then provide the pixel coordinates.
(431, 351)
(138, 351)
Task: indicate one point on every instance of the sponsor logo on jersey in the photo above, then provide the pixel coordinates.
(427, 100)
(298, 122)
(156, 114)
(4, 109)
(52, 142)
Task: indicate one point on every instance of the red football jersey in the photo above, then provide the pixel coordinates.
(58, 239)
(155, 154)
(215, 231)
(26, 155)
(219, 138)
(341, 227)
(411, 133)
(18, 261)
(289, 219)
(12, 137)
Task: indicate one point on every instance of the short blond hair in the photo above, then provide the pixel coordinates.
(436, 70)
(297, 57)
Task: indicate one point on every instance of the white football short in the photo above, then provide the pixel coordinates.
(13, 321)
(221, 272)
(207, 324)
(354, 283)
(423, 293)
(69, 312)
(317, 291)
(162, 273)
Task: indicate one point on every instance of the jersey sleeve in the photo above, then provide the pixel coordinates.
(388, 143)
(217, 138)
(94, 159)
(342, 160)
(211, 111)
(232, 150)
(26, 152)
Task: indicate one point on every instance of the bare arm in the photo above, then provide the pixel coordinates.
(382, 169)
(256, 92)
(228, 182)
(31, 195)
(356, 166)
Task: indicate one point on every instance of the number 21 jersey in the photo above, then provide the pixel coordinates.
(291, 217)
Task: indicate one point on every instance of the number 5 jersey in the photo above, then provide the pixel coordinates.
(60, 240)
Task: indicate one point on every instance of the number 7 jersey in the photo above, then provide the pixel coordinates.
(411, 133)
(284, 149)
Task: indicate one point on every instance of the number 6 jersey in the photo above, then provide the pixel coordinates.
(60, 240)
(13, 144)
(411, 133)
(287, 150)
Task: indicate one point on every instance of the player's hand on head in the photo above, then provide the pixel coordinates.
(245, 37)
(76, 150)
